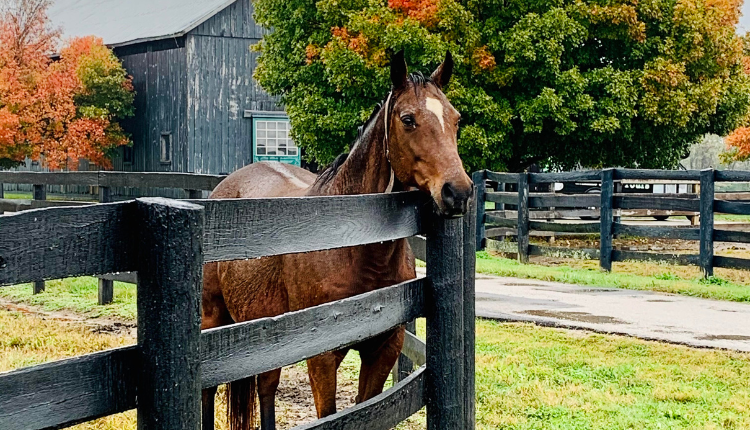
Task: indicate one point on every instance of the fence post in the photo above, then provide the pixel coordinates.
(40, 193)
(707, 222)
(404, 366)
(445, 325)
(606, 219)
(469, 313)
(480, 184)
(523, 217)
(170, 278)
(2, 195)
(106, 286)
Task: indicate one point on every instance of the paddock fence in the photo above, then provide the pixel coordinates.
(166, 242)
(563, 213)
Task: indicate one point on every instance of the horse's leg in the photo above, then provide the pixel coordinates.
(267, 384)
(322, 371)
(378, 356)
(214, 314)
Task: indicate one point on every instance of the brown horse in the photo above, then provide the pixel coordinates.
(409, 142)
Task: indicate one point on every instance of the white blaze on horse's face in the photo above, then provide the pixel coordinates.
(436, 106)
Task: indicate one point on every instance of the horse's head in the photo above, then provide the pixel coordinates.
(422, 129)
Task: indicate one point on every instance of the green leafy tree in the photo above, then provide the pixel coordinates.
(555, 82)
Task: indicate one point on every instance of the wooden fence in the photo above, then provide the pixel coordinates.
(104, 181)
(608, 207)
(167, 241)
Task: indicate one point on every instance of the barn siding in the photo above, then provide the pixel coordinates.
(221, 87)
(235, 21)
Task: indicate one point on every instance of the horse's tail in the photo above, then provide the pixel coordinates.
(241, 404)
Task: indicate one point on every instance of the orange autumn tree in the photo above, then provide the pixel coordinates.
(57, 111)
(738, 142)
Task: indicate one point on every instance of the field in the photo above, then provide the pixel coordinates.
(527, 377)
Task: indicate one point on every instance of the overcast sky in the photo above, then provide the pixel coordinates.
(744, 25)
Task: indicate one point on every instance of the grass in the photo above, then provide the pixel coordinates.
(659, 278)
(527, 377)
(77, 295)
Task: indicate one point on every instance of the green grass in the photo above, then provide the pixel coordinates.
(714, 288)
(77, 295)
(732, 218)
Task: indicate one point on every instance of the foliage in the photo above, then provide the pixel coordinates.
(58, 111)
(560, 83)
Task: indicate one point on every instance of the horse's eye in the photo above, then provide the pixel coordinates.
(408, 121)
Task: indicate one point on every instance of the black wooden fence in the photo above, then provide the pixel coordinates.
(194, 186)
(608, 206)
(167, 241)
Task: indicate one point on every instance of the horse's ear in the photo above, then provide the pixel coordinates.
(442, 75)
(398, 70)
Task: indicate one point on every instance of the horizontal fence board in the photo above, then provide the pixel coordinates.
(502, 197)
(188, 181)
(415, 349)
(382, 412)
(671, 232)
(623, 201)
(250, 228)
(582, 176)
(240, 350)
(57, 243)
(732, 176)
(17, 205)
(50, 178)
(503, 178)
(563, 200)
(731, 236)
(732, 196)
(689, 196)
(544, 214)
(682, 259)
(734, 208)
(505, 231)
(126, 277)
(683, 175)
(66, 392)
(496, 220)
(592, 227)
(731, 262)
(558, 251)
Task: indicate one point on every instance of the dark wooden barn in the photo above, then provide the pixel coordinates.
(198, 108)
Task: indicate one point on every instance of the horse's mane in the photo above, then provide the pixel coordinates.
(328, 173)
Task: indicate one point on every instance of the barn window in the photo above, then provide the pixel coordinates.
(272, 141)
(127, 154)
(166, 147)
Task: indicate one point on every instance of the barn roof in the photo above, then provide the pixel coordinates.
(125, 22)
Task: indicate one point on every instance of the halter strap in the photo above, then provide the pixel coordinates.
(392, 181)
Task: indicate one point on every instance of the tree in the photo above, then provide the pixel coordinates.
(560, 83)
(57, 111)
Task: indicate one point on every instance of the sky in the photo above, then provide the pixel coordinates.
(744, 25)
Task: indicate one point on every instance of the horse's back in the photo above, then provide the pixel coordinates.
(265, 179)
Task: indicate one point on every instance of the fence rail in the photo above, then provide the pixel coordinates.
(607, 205)
(173, 360)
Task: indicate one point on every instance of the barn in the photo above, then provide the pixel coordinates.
(198, 108)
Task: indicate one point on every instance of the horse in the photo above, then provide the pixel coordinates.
(410, 141)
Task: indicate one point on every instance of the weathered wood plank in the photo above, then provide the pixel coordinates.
(591, 227)
(170, 280)
(583, 176)
(564, 201)
(503, 178)
(480, 185)
(732, 176)
(188, 181)
(418, 246)
(707, 222)
(469, 323)
(66, 392)
(253, 347)
(682, 259)
(523, 218)
(684, 175)
(734, 208)
(415, 349)
(605, 223)
(50, 178)
(250, 228)
(731, 262)
(497, 220)
(731, 236)
(17, 205)
(625, 201)
(671, 232)
(502, 197)
(57, 243)
(382, 412)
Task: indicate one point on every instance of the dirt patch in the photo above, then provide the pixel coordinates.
(724, 337)
(660, 301)
(575, 316)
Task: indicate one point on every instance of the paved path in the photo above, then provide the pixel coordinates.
(643, 314)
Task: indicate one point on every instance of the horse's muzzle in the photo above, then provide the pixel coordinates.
(455, 199)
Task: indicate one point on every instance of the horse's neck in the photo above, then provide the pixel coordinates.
(366, 170)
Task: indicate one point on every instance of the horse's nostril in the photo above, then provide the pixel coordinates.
(448, 194)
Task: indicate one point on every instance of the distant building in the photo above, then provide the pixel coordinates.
(197, 107)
